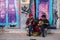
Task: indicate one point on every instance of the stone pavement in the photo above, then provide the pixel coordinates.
(18, 36)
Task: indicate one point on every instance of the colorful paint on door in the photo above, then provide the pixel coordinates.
(8, 12)
(43, 7)
(2, 12)
(11, 12)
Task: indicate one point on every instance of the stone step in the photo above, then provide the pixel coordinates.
(22, 31)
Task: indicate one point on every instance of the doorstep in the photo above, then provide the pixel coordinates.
(24, 31)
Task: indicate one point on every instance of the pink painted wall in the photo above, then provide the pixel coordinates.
(43, 7)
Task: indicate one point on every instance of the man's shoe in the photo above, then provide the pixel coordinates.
(43, 36)
(29, 35)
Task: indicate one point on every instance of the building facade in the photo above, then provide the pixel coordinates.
(17, 12)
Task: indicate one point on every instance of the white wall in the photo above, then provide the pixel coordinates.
(58, 9)
(23, 16)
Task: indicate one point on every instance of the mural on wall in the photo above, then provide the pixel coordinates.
(2, 11)
(11, 12)
(43, 7)
(25, 10)
(32, 7)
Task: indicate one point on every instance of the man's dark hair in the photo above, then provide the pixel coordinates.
(43, 16)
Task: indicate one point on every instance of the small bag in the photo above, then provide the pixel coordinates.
(35, 33)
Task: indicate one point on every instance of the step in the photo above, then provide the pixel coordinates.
(22, 31)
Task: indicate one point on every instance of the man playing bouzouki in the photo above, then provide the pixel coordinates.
(43, 24)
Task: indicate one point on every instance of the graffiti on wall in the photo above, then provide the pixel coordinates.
(25, 10)
(24, 15)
